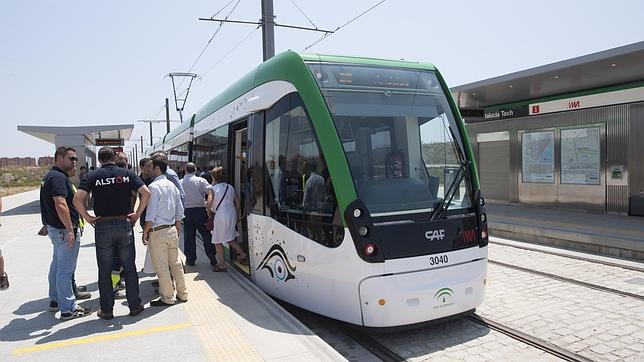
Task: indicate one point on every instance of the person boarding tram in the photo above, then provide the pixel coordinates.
(196, 190)
(224, 203)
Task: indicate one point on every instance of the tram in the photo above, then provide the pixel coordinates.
(358, 183)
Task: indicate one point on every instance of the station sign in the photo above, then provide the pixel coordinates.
(504, 113)
(589, 101)
(109, 142)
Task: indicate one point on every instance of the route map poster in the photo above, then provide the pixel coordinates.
(538, 150)
(580, 156)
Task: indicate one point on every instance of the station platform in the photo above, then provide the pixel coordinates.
(226, 317)
(606, 234)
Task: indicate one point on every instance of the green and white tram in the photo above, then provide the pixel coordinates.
(359, 184)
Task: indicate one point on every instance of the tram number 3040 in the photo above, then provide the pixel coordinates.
(436, 260)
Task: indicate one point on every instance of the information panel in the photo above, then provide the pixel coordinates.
(580, 153)
(538, 150)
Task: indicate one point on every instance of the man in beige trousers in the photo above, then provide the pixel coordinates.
(161, 232)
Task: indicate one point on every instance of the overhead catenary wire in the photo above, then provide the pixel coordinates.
(302, 11)
(151, 117)
(156, 114)
(224, 57)
(343, 25)
(231, 50)
(221, 24)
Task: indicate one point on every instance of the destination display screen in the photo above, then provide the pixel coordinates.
(340, 75)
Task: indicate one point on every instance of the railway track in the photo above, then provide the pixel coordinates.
(528, 339)
(372, 345)
(333, 331)
(568, 280)
(384, 353)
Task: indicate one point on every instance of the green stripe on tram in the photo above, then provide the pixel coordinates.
(291, 67)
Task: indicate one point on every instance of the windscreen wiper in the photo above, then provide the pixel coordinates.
(443, 204)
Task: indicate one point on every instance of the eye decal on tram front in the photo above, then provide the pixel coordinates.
(277, 264)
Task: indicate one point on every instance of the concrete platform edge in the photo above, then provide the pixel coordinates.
(317, 346)
(570, 240)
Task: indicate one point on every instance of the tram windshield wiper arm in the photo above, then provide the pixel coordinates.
(443, 204)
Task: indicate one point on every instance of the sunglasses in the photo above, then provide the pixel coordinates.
(73, 158)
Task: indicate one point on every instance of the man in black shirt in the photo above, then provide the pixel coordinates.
(62, 221)
(112, 187)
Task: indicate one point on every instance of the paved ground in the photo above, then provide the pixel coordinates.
(226, 317)
(598, 325)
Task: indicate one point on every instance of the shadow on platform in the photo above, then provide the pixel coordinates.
(26, 209)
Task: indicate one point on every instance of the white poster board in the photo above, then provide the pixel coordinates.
(538, 151)
(580, 156)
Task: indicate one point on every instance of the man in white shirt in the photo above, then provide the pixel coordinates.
(161, 232)
(196, 190)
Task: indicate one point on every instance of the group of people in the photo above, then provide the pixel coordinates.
(165, 205)
(4, 278)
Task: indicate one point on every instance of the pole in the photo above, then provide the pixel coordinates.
(167, 116)
(136, 159)
(150, 133)
(268, 29)
(141, 145)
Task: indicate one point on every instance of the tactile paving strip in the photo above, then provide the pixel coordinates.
(220, 338)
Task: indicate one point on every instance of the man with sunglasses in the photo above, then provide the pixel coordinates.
(62, 221)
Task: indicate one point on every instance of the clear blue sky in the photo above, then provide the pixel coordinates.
(103, 62)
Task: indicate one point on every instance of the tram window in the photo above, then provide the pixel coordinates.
(300, 193)
(255, 158)
(211, 149)
(178, 158)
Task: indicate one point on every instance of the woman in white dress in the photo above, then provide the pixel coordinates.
(224, 203)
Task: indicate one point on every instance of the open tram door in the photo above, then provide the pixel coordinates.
(240, 181)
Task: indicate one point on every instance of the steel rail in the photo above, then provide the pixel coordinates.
(528, 339)
(371, 344)
(568, 280)
(576, 257)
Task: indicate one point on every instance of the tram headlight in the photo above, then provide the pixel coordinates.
(370, 249)
(357, 213)
(363, 231)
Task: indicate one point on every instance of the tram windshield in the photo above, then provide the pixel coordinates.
(399, 136)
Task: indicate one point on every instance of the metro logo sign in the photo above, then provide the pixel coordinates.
(594, 100)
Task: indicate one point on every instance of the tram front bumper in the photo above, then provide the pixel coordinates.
(416, 297)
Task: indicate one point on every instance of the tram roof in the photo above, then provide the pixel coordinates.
(283, 60)
(179, 129)
(269, 71)
(602, 69)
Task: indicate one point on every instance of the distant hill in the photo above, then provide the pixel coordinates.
(14, 179)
